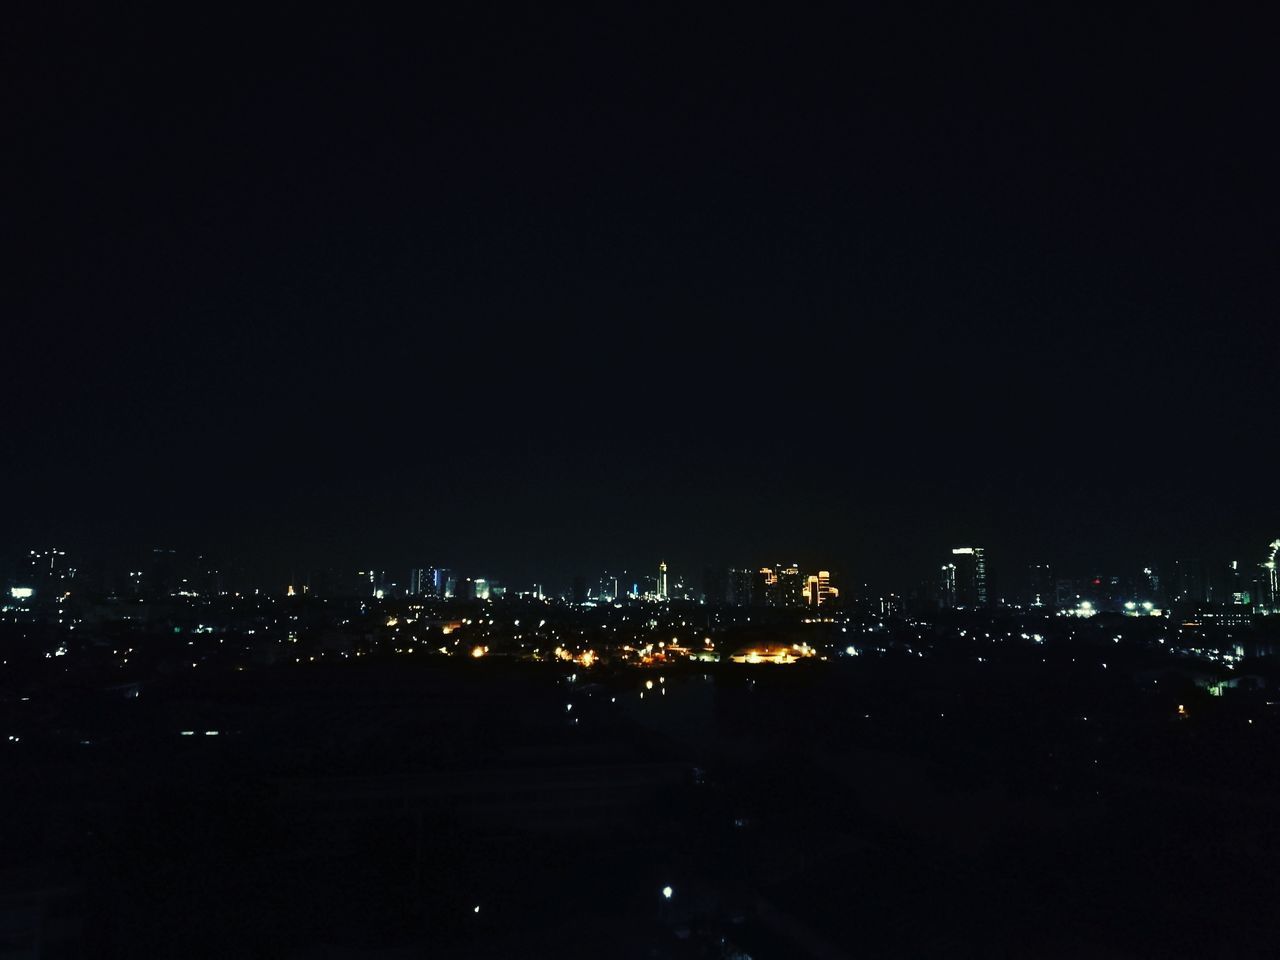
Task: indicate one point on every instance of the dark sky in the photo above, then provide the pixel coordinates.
(531, 293)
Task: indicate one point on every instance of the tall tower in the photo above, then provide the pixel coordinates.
(818, 589)
(662, 579)
(971, 576)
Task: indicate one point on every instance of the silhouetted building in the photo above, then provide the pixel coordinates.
(1040, 586)
(1190, 583)
(739, 588)
(715, 587)
(970, 577)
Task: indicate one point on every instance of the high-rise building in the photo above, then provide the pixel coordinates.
(1190, 583)
(790, 587)
(970, 577)
(429, 582)
(662, 579)
(579, 590)
(818, 590)
(739, 587)
(780, 586)
(1040, 588)
(1149, 586)
(1269, 592)
(715, 586)
(947, 587)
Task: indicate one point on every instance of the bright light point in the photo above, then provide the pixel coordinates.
(648, 684)
(667, 892)
(478, 652)
(476, 908)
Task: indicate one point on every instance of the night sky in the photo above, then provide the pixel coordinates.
(531, 294)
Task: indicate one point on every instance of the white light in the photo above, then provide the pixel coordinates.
(21, 593)
(476, 908)
(667, 892)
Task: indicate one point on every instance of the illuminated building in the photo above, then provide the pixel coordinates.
(947, 587)
(1269, 588)
(608, 589)
(772, 653)
(818, 589)
(430, 582)
(969, 577)
(781, 586)
(662, 579)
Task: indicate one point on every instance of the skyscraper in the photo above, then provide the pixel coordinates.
(740, 581)
(818, 589)
(970, 577)
(780, 586)
(1190, 583)
(662, 579)
(947, 587)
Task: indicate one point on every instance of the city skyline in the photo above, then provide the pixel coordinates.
(964, 581)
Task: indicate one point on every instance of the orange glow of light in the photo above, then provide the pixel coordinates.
(479, 652)
(587, 658)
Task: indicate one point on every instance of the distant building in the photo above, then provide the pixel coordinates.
(662, 579)
(608, 589)
(947, 587)
(715, 586)
(579, 594)
(780, 586)
(739, 587)
(970, 577)
(1190, 583)
(1269, 580)
(818, 590)
(1040, 587)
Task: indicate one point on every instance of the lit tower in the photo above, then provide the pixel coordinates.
(1271, 582)
(818, 589)
(662, 579)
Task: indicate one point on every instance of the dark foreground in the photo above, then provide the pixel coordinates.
(868, 807)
